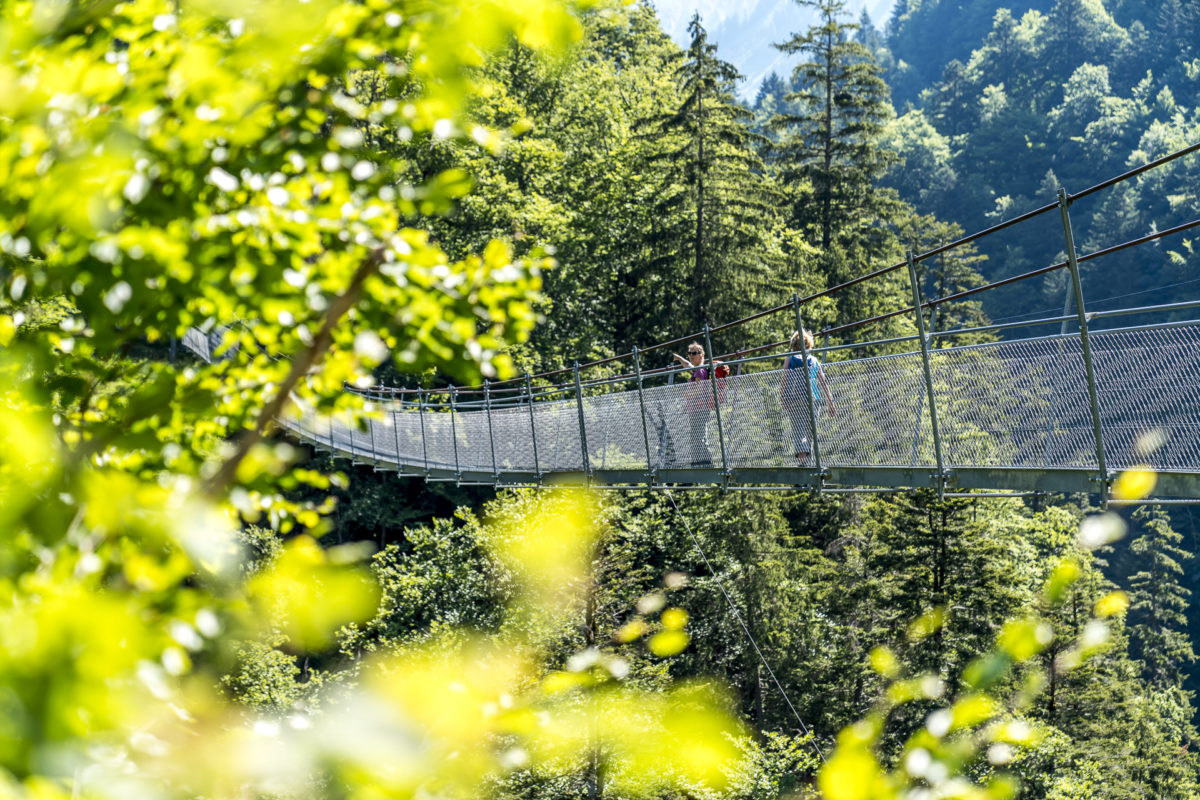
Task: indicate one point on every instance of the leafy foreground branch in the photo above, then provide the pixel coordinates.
(116, 634)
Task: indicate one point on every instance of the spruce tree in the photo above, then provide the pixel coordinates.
(947, 274)
(1160, 601)
(830, 155)
(716, 207)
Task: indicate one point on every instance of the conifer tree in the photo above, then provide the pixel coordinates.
(830, 155)
(716, 208)
(1077, 31)
(1160, 601)
(946, 274)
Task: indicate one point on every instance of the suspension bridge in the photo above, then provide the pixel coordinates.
(1066, 406)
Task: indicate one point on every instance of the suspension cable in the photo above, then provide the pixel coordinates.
(717, 580)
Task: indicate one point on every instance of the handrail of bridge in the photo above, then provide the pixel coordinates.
(496, 385)
(521, 397)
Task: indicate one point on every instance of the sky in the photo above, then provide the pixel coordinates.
(744, 30)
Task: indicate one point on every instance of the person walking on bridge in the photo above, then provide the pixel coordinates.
(698, 402)
(795, 384)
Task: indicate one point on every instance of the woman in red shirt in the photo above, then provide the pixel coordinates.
(698, 402)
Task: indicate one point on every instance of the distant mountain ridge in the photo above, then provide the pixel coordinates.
(745, 32)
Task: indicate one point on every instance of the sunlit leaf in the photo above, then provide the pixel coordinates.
(1135, 483)
(1112, 604)
(668, 643)
(1024, 638)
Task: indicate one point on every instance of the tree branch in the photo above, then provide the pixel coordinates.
(216, 486)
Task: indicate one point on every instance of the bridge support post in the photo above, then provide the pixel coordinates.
(371, 433)
(587, 463)
(454, 431)
(487, 404)
(330, 417)
(651, 473)
(396, 401)
(933, 417)
(712, 378)
(424, 444)
(812, 411)
(537, 467)
(1064, 206)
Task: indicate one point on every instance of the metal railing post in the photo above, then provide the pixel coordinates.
(712, 378)
(1064, 205)
(371, 433)
(812, 411)
(537, 467)
(487, 404)
(664, 434)
(424, 444)
(933, 417)
(637, 368)
(454, 431)
(396, 425)
(587, 464)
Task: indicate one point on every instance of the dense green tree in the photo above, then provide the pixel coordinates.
(843, 112)
(1077, 32)
(960, 27)
(715, 212)
(1177, 31)
(923, 172)
(949, 102)
(768, 103)
(946, 274)
(829, 155)
(1009, 52)
(1160, 602)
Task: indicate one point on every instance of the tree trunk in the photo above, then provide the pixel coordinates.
(827, 183)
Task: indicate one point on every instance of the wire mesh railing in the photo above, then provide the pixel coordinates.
(1021, 404)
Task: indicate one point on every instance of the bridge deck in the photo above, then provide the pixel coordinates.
(1013, 415)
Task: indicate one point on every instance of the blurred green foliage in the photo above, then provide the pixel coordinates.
(165, 166)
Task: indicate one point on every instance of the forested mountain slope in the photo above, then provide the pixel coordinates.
(1031, 97)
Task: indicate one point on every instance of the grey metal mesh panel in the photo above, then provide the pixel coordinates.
(614, 431)
(1020, 404)
(1150, 380)
(514, 438)
(205, 344)
(1004, 404)
(882, 413)
(439, 442)
(558, 436)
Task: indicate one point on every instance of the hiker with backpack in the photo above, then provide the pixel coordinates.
(796, 381)
(698, 401)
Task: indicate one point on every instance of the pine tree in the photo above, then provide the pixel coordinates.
(946, 274)
(869, 36)
(950, 102)
(830, 155)
(1078, 31)
(716, 207)
(1160, 601)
